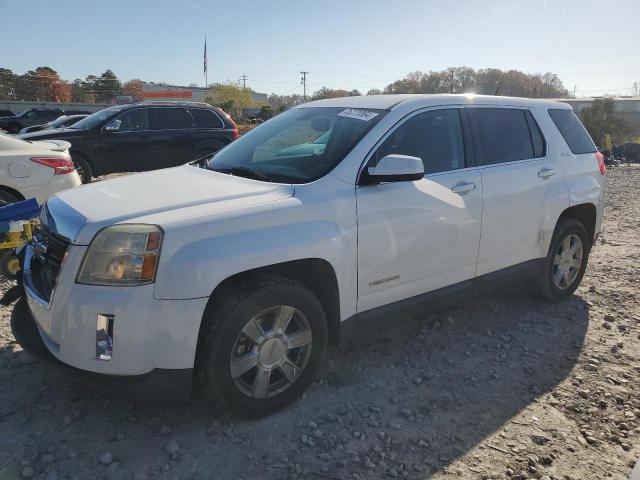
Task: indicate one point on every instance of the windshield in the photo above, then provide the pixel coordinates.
(298, 146)
(92, 121)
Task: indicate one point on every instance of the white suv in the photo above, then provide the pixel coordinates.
(302, 231)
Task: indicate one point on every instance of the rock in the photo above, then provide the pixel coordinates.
(106, 458)
(307, 440)
(165, 430)
(545, 477)
(311, 425)
(28, 472)
(609, 318)
(417, 380)
(48, 458)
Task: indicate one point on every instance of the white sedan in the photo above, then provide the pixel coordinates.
(34, 169)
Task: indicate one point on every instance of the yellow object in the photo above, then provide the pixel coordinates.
(607, 142)
(16, 239)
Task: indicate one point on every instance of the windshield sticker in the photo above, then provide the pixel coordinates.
(364, 115)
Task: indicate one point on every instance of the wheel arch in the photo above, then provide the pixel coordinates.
(12, 191)
(316, 274)
(585, 213)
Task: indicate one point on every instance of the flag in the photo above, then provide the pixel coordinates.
(205, 55)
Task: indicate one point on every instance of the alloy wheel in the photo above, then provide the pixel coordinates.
(271, 352)
(567, 262)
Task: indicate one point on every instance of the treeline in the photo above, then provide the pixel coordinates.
(45, 85)
(486, 81)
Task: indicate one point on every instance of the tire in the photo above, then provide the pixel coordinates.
(83, 168)
(223, 341)
(9, 264)
(14, 128)
(7, 198)
(26, 333)
(557, 262)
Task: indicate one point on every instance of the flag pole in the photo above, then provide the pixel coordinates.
(206, 74)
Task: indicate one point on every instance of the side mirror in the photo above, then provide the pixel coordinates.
(113, 126)
(394, 168)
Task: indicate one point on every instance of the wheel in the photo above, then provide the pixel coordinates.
(9, 264)
(566, 261)
(83, 168)
(25, 331)
(7, 198)
(14, 128)
(262, 346)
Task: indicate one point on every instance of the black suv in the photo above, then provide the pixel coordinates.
(143, 136)
(33, 116)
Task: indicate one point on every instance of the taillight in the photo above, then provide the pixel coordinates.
(235, 133)
(601, 164)
(60, 165)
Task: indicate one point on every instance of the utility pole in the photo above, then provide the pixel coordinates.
(303, 81)
(244, 80)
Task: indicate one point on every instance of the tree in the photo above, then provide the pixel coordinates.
(106, 87)
(600, 119)
(230, 96)
(134, 88)
(374, 91)
(8, 81)
(266, 112)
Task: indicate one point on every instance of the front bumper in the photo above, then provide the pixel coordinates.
(148, 334)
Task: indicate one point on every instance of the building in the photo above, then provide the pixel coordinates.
(627, 108)
(158, 92)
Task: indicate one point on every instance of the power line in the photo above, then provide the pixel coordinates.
(243, 78)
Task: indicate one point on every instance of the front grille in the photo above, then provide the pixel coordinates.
(46, 263)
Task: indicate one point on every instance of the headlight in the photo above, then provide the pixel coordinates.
(122, 255)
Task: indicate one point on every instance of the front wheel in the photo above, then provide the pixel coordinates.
(261, 348)
(566, 261)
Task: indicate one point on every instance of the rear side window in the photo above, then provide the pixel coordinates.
(170, 119)
(572, 131)
(539, 143)
(204, 118)
(502, 135)
(435, 137)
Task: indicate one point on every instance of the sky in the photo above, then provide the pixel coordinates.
(593, 46)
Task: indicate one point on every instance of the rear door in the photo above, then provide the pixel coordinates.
(521, 185)
(207, 134)
(416, 237)
(171, 137)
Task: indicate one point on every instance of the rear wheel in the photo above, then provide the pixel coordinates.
(566, 261)
(7, 198)
(83, 168)
(262, 347)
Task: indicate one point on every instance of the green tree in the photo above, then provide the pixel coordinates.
(231, 97)
(600, 119)
(266, 112)
(106, 87)
(8, 81)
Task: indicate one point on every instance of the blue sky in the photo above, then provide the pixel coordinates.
(591, 44)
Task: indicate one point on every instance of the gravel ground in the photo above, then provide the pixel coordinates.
(506, 386)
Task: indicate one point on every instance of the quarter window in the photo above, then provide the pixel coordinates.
(435, 137)
(502, 135)
(539, 143)
(205, 118)
(134, 120)
(572, 131)
(170, 119)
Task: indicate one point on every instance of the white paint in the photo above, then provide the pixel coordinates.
(385, 242)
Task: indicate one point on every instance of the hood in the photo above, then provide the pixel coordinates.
(53, 145)
(77, 214)
(53, 133)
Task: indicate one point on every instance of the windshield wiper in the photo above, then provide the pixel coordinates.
(244, 172)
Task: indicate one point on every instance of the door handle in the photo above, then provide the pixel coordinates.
(463, 188)
(546, 172)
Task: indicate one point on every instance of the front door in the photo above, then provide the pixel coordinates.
(416, 237)
(172, 137)
(127, 149)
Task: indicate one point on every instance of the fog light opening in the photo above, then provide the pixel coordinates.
(104, 337)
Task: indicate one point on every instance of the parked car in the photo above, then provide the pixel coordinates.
(60, 122)
(246, 269)
(6, 113)
(34, 170)
(144, 136)
(33, 116)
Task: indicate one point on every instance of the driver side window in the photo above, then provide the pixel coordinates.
(134, 120)
(434, 136)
